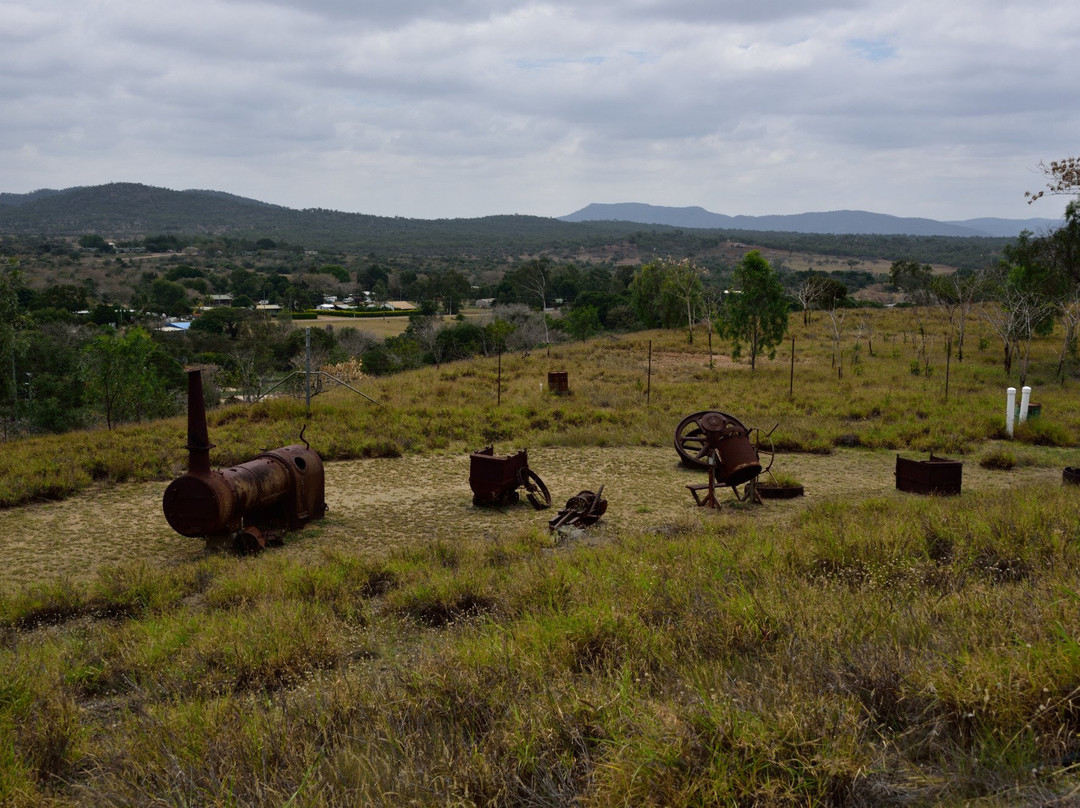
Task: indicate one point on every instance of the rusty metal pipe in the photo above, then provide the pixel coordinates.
(198, 438)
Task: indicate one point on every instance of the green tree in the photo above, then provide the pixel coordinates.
(10, 283)
(123, 376)
(645, 294)
(169, 297)
(338, 271)
(454, 288)
(756, 311)
(912, 278)
(681, 288)
(94, 242)
(582, 322)
(227, 320)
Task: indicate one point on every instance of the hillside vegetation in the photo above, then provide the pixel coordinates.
(129, 212)
(893, 651)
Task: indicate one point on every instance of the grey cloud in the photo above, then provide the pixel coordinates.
(691, 99)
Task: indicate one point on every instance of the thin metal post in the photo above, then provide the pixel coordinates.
(498, 394)
(791, 380)
(948, 359)
(307, 364)
(648, 384)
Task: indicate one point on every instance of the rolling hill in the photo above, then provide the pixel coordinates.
(132, 211)
(848, 222)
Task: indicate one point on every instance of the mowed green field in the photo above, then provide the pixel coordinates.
(383, 327)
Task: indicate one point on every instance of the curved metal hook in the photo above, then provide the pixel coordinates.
(306, 444)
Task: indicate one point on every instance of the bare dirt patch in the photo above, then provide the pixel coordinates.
(381, 504)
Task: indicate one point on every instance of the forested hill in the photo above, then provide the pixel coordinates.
(129, 211)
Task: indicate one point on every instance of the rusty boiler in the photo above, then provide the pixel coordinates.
(282, 489)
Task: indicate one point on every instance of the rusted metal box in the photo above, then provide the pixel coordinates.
(558, 382)
(1070, 475)
(938, 475)
(494, 479)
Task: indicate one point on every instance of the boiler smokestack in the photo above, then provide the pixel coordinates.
(198, 439)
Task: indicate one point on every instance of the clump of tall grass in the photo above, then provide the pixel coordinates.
(1044, 432)
(998, 458)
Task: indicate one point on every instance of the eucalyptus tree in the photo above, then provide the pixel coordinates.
(681, 287)
(755, 312)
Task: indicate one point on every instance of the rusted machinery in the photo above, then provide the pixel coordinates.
(582, 509)
(721, 444)
(495, 479)
(282, 489)
(558, 382)
(938, 475)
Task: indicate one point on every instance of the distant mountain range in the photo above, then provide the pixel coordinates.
(840, 222)
(628, 233)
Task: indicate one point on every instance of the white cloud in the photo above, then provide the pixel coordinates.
(477, 107)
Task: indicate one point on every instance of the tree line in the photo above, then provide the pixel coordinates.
(70, 357)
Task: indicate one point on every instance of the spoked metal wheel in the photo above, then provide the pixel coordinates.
(535, 490)
(765, 448)
(691, 440)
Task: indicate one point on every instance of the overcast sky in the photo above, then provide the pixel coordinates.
(461, 108)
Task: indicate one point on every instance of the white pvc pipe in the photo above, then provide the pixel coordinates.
(1025, 399)
(1010, 410)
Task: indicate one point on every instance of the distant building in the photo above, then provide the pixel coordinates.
(175, 328)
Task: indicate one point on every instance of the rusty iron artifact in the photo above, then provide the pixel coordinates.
(241, 507)
(558, 382)
(721, 444)
(495, 479)
(938, 475)
(582, 509)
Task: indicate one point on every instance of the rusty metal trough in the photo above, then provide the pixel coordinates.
(282, 489)
(495, 479)
(937, 475)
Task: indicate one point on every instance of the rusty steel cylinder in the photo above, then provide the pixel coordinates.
(284, 486)
(200, 505)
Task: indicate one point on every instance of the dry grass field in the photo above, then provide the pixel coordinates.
(377, 506)
(857, 647)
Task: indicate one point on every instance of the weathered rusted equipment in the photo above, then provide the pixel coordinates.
(938, 475)
(721, 444)
(495, 479)
(240, 507)
(558, 382)
(1070, 475)
(582, 509)
(699, 435)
